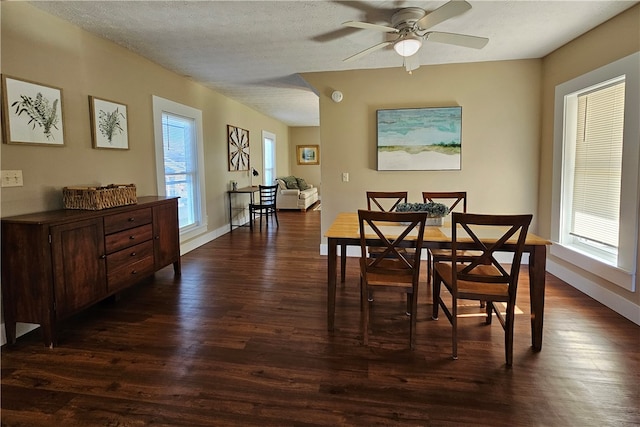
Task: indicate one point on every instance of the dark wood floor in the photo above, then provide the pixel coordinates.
(240, 339)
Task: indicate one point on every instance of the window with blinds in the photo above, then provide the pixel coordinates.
(595, 215)
(180, 162)
(595, 198)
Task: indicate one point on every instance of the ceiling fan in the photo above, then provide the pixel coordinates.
(411, 24)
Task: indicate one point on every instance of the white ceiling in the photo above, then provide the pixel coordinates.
(252, 51)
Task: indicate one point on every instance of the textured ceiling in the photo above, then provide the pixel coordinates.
(252, 51)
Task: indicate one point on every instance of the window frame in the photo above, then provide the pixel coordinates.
(271, 136)
(160, 106)
(624, 271)
(570, 175)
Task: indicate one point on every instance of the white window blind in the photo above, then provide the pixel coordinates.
(598, 165)
(180, 162)
(180, 173)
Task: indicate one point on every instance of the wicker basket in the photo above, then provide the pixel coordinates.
(97, 198)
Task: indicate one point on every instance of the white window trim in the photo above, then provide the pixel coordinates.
(271, 136)
(623, 277)
(161, 105)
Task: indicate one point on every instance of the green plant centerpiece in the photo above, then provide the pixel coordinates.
(435, 211)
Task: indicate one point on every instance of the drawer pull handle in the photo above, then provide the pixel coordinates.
(132, 237)
(103, 256)
(134, 272)
(133, 254)
(132, 219)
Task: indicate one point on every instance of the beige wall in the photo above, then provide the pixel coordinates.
(39, 47)
(500, 133)
(613, 40)
(305, 136)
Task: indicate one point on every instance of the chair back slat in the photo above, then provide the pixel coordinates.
(385, 201)
(268, 194)
(452, 199)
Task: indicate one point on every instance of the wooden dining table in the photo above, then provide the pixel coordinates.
(344, 231)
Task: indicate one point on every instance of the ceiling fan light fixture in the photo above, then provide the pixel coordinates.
(408, 45)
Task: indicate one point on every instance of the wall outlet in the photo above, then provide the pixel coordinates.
(345, 176)
(12, 178)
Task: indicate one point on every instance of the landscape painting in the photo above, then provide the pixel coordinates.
(419, 138)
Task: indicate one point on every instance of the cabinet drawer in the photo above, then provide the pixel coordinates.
(124, 239)
(129, 274)
(126, 220)
(130, 255)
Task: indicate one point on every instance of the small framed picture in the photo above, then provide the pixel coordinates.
(308, 154)
(109, 124)
(32, 113)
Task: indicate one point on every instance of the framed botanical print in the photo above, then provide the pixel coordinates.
(238, 140)
(109, 124)
(308, 154)
(32, 113)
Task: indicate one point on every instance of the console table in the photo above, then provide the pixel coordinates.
(245, 190)
(57, 263)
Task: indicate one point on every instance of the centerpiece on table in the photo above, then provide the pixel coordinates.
(435, 211)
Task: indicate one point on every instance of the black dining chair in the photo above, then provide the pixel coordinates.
(266, 206)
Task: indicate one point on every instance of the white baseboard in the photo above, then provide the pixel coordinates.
(203, 239)
(615, 302)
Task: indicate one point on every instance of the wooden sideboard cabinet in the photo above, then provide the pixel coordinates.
(57, 263)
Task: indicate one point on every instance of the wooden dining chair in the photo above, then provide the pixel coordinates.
(383, 201)
(482, 278)
(455, 201)
(266, 206)
(395, 269)
(450, 198)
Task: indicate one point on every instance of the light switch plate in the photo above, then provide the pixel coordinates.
(12, 178)
(345, 176)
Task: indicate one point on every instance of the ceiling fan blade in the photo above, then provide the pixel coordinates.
(444, 12)
(368, 26)
(367, 51)
(457, 39)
